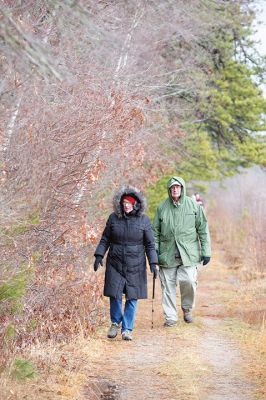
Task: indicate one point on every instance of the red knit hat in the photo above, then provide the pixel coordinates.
(129, 198)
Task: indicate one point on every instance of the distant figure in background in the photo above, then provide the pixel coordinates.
(198, 199)
(129, 239)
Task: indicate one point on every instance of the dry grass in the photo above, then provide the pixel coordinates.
(242, 293)
(247, 306)
(253, 344)
(238, 298)
(238, 225)
(63, 371)
(248, 302)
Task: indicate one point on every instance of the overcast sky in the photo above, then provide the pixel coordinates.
(261, 28)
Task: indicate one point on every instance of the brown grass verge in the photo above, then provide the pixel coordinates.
(63, 371)
(243, 294)
(247, 306)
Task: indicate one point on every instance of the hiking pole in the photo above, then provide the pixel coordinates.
(153, 295)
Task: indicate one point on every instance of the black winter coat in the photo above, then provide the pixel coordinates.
(128, 238)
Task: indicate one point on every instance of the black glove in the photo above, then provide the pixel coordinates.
(154, 270)
(205, 260)
(97, 262)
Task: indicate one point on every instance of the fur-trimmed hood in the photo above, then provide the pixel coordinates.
(131, 190)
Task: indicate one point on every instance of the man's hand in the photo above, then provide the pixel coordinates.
(97, 262)
(205, 260)
(154, 270)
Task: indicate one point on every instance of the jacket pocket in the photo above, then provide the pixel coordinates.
(190, 220)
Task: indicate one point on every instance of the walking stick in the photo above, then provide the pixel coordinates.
(153, 295)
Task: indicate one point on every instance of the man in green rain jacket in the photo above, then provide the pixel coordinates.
(182, 241)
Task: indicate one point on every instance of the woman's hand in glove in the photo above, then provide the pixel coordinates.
(154, 270)
(97, 262)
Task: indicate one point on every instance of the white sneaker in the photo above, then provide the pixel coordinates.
(113, 330)
(127, 335)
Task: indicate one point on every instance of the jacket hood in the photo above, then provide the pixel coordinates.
(179, 180)
(131, 190)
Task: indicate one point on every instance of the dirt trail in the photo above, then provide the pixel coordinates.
(224, 357)
(189, 361)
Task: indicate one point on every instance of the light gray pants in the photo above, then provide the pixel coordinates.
(187, 279)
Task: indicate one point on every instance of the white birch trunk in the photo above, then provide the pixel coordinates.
(10, 128)
(83, 184)
(122, 61)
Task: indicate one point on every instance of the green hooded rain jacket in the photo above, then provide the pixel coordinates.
(181, 230)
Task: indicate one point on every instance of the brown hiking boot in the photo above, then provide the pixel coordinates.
(187, 315)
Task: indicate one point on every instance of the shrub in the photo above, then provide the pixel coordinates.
(22, 369)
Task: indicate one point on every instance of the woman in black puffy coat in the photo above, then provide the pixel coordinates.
(128, 236)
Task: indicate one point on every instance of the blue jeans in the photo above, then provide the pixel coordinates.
(117, 316)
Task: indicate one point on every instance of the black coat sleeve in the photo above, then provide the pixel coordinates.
(149, 242)
(105, 240)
